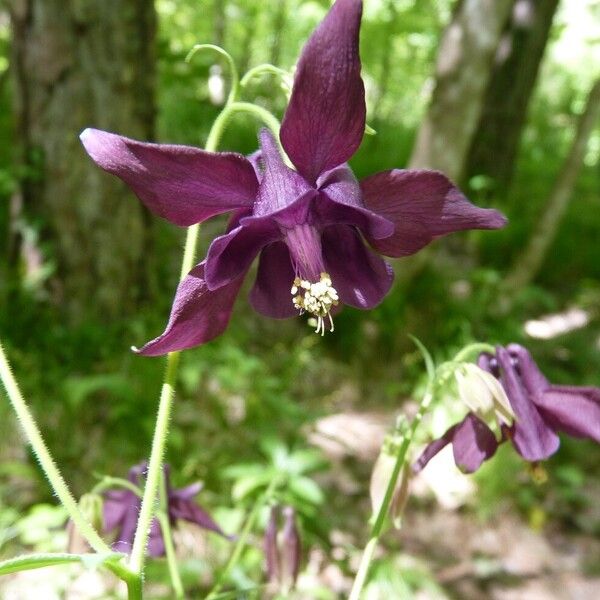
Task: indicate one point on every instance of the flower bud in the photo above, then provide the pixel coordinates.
(282, 549)
(484, 396)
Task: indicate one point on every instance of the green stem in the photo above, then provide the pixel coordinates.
(235, 79)
(34, 437)
(111, 482)
(476, 348)
(167, 393)
(242, 539)
(165, 525)
(377, 528)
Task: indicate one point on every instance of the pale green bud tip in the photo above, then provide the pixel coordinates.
(484, 396)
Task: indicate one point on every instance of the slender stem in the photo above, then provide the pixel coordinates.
(377, 528)
(476, 348)
(34, 437)
(112, 482)
(138, 551)
(165, 525)
(242, 539)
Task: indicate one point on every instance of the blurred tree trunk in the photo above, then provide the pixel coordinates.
(531, 259)
(279, 19)
(496, 140)
(463, 69)
(251, 16)
(80, 64)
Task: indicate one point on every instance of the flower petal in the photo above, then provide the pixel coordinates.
(531, 436)
(433, 448)
(325, 120)
(192, 512)
(472, 443)
(114, 508)
(280, 186)
(361, 278)
(340, 202)
(231, 254)
(182, 184)
(532, 377)
(156, 542)
(423, 205)
(270, 296)
(573, 410)
(197, 316)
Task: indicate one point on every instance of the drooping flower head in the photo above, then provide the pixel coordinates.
(122, 507)
(541, 411)
(318, 232)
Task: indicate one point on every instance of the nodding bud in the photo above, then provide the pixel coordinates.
(91, 506)
(484, 396)
(382, 471)
(282, 549)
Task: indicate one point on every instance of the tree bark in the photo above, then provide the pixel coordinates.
(495, 143)
(529, 262)
(463, 69)
(80, 63)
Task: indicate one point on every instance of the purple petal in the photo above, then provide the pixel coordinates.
(156, 542)
(231, 255)
(472, 443)
(432, 449)
(532, 377)
(182, 184)
(573, 410)
(291, 548)
(114, 508)
(197, 316)
(423, 205)
(532, 437)
(361, 278)
(325, 120)
(124, 539)
(190, 511)
(186, 493)
(340, 203)
(280, 185)
(271, 294)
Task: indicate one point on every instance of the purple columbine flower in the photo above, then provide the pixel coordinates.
(122, 507)
(307, 224)
(542, 411)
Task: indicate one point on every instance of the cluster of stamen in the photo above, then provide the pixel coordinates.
(316, 299)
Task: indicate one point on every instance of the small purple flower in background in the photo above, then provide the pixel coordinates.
(308, 225)
(541, 412)
(282, 549)
(122, 507)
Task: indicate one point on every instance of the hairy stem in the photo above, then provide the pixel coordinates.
(378, 525)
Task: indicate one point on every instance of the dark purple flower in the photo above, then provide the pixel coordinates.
(122, 507)
(307, 224)
(542, 411)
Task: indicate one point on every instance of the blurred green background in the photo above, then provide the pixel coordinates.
(85, 274)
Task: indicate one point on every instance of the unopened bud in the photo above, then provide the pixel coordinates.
(282, 549)
(484, 396)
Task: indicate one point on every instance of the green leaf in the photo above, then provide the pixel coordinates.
(38, 561)
(307, 490)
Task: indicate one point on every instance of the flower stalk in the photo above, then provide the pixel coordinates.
(384, 509)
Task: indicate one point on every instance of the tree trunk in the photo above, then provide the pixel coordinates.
(529, 262)
(496, 141)
(463, 69)
(78, 64)
(386, 61)
(219, 7)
